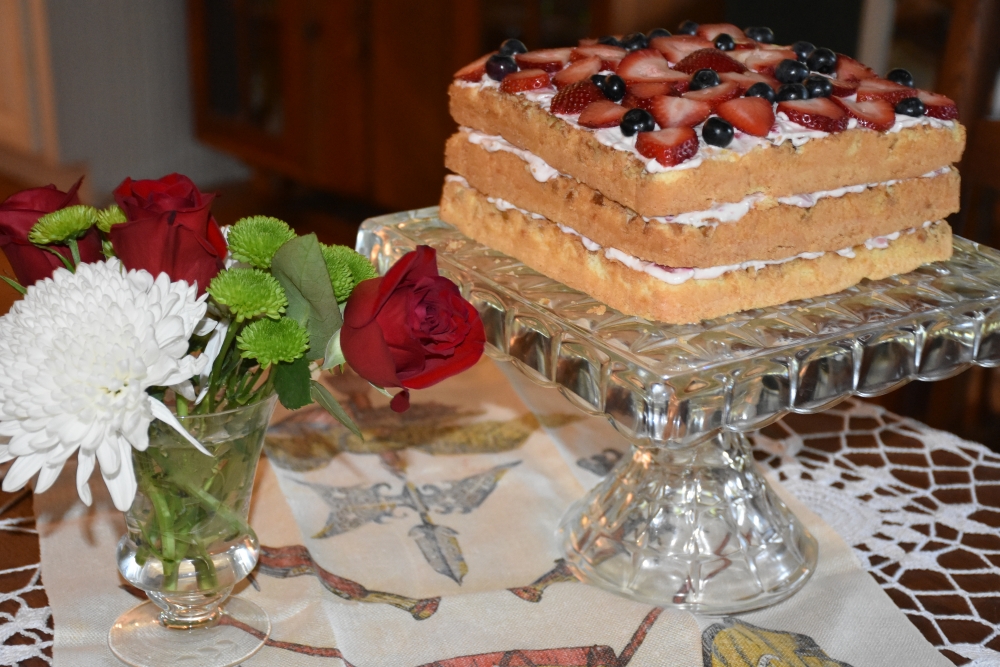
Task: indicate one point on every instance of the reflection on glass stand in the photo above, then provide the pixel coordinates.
(686, 519)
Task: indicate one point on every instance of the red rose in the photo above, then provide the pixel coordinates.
(410, 328)
(19, 213)
(169, 229)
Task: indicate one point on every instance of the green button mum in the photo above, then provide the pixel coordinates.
(254, 240)
(108, 217)
(249, 293)
(273, 341)
(67, 223)
(346, 268)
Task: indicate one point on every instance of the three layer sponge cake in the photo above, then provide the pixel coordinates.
(686, 177)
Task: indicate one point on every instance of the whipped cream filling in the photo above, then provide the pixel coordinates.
(720, 213)
(680, 275)
(783, 130)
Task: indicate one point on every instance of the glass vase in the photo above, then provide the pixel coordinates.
(188, 543)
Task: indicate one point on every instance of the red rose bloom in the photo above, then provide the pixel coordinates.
(410, 328)
(169, 229)
(19, 213)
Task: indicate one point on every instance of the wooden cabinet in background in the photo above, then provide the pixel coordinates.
(347, 96)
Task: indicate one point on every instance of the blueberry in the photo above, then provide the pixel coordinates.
(498, 66)
(717, 132)
(760, 89)
(512, 47)
(612, 85)
(910, 106)
(657, 32)
(803, 49)
(762, 35)
(610, 40)
(790, 71)
(687, 28)
(725, 42)
(901, 76)
(637, 120)
(792, 91)
(705, 78)
(635, 41)
(822, 60)
(818, 85)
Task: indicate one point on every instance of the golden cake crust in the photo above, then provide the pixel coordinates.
(847, 158)
(770, 230)
(541, 245)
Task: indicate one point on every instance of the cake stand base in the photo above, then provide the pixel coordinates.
(695, 528)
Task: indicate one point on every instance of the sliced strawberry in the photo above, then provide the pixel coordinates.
(575, 97)
(475, 70)
(578, 71)
(763, 61)
(938, 106)
(716, 95)
(670, 146)
(849, 69)
(610, 55)
(602, 113)
(550, 60)
(674, 48)
(709, 59)
(526, 79)
(843, 87)
(647, 65)
(712, 30)
(816, 114)
(880, 89)
(678, 111)
(744, 81)
(745, 43)
(640, 95)
(874, 114)
(753, 115)
(631, 101)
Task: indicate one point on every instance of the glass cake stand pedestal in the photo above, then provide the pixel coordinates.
(686, 519)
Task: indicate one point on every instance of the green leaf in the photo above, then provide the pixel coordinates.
(291, 381)
(16, 285)
(334, 356)
(323, 396)
(300, 268)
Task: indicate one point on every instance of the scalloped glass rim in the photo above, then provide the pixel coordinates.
(675, 385)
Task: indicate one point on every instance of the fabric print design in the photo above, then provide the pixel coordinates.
(310, 438)
(735, 643)
(295, 561)
(355, 506)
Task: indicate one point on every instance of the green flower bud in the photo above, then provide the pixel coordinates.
(249, 293)
(108, 217)
(273, 341)
(346, 268)
(254, 240)
(60, 226)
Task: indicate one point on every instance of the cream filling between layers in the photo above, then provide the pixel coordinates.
(720, 213)
(680, 275)
(783, 130)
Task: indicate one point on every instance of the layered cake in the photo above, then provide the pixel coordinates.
(684, 177)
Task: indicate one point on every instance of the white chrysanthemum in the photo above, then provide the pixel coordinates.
(76, 357)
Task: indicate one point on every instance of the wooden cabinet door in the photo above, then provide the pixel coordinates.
(15, 91)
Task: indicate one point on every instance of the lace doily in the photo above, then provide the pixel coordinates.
(920, 507)
(25, 616)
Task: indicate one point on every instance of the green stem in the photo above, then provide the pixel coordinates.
(182, 406)
(219, 361)
(74, 250)
(58, 254)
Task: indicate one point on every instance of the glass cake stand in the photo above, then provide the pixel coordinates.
(686, 519)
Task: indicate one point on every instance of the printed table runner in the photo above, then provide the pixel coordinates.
(430, 543)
